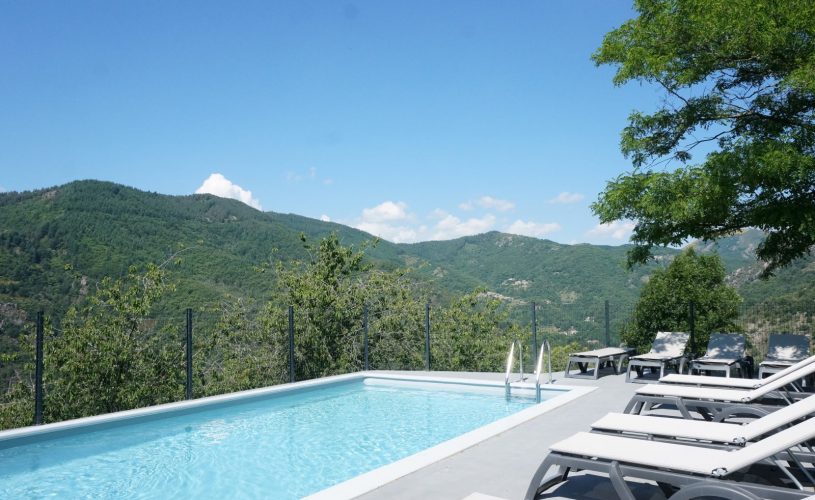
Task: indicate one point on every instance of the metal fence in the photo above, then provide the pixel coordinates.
(198, 353)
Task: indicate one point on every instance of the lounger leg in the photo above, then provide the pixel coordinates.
(628, 373)
(597, 369)
(568, 366)
(730, 491)
(616, 476)
(634, 406)
(536, 488)
(662, 369)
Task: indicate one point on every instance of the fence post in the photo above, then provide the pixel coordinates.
(692, 327)
(291, 343)
(534, 333)
(427, 336)
(189, 353)
(608, 327)
(365, 335)
(38, 371)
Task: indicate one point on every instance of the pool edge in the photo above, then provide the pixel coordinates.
(372, 480)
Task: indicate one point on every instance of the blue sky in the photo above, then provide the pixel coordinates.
(411, 119)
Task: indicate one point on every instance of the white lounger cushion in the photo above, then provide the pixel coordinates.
(744, 396)
(640, 451)
(690, 392)
(739, 383)
(601, 353)
(664, 426)
(707, 431)
(702, 380)
(680, 457)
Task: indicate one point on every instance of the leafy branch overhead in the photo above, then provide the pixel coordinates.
(738, 85)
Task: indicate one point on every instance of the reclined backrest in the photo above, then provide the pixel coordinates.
(670, 344)
(725, 346)
(787, 347)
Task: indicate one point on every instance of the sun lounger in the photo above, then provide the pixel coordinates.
(713, 401)
(733, 383)
(783, 350)
(724, 351)
(667, 349)
(614, 355)
(653, 427)
(696, 471)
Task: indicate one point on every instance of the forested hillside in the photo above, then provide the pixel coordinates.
(58, 242)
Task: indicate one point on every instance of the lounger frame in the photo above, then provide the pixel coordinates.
(597, 357)
(658, 358)
(690, 485)
(716, 411)
(711, 362)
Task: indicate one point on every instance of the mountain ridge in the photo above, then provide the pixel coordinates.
(100, 228)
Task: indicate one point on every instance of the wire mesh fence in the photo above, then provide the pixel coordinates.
(759, 322)
(98, 367)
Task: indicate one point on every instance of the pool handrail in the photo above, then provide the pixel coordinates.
(510, 360)
(545, 348)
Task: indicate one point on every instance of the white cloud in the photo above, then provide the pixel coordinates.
(489, 202)
(567, 197)
(534, 229)
(616, 230)
(219, 185)
(394, 222)
(398, 233)
(389, 220)
(450, 226)
(325, 218)
(386, 211)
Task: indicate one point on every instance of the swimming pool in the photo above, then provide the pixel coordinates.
(283, 442)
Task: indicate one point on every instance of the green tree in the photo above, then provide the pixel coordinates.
(110, 356)
(328, 294)
(663, 303)
(243, 350)
(473, 333)
(738, 80)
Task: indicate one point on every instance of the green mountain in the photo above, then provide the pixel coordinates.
(56, 243)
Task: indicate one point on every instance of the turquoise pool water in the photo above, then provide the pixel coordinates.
(282, 446)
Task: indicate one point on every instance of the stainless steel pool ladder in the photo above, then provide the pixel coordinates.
(545, 348)
(510, 360)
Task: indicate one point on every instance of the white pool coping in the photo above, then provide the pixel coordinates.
(365, 482)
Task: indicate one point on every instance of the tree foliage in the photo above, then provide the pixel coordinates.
(110, 356)
(473, 333)
(664, 301)
(107, 355)
(738, 79)
(329, 293)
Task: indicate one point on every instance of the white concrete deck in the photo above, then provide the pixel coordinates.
(502, 466)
